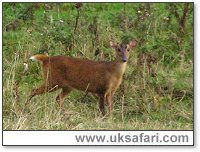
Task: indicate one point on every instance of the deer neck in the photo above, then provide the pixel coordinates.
(119, 68)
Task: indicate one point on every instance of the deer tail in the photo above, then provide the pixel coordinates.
(39, 57)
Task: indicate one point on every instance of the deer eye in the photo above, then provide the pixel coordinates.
(118, 50)
(128, 50)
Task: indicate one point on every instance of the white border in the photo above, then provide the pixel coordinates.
(112, 138)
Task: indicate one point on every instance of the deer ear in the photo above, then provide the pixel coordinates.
(133, 43)
(113, 45)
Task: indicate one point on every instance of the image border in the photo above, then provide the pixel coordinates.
(193, 70)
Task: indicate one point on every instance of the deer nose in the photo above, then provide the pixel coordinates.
(124, 57)
(124, 60)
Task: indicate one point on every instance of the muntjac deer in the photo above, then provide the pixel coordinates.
(100, 77)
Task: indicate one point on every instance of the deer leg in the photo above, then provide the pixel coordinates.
(61, 97)
(101, 103)
(109, 100)
(42, 89)
(110, 103)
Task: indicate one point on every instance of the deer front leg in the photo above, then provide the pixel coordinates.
(102, 103)
(109, 101)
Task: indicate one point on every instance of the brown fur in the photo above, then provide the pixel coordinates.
(100, 77)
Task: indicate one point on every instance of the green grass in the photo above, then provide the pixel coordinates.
(143, 101)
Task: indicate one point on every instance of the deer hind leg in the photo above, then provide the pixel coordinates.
(42, 89)
(61, 97)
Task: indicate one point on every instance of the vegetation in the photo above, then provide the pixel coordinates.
(157, 90)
